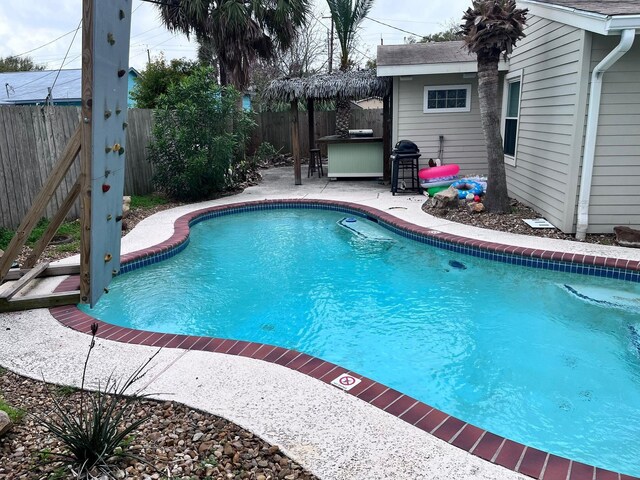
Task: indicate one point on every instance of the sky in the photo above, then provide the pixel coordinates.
(30, 27)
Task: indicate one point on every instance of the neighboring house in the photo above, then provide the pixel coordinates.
(371, 103)
(574, 160)
(34, 87)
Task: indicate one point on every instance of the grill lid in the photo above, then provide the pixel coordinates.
(406, 146)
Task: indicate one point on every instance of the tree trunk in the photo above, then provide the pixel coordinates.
(497, 197)
(224, 81)
(343, 116)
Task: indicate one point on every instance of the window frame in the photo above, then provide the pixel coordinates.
(511, 77)
(428, 88)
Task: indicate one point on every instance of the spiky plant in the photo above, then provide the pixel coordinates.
(491, 29)
(101, 423)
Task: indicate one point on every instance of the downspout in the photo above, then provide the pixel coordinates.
(626, 40)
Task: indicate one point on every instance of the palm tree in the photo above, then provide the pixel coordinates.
(237, 31)
(491, 28)
(347, 18)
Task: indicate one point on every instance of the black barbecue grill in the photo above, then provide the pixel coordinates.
(404, 167)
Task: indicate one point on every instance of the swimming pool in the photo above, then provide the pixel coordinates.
(503, 347)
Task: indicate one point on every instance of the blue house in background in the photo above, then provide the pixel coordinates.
(34, 87)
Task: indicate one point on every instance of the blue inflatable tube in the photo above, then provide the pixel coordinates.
(466, 187)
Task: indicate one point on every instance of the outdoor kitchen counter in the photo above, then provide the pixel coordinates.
(354, 156)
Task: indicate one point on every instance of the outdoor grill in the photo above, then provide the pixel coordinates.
(404, 167)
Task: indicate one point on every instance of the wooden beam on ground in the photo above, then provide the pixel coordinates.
(9, 292)
(53, 227)
(295, 141)
(51, 271)
(36, 211)
(40, 301)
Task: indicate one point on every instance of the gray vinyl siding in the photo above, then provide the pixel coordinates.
(464, 142)
(615, 186)
(551, 59)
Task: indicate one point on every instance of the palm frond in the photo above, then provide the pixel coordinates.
(492, 27)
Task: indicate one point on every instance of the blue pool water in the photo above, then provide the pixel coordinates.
(503, 347)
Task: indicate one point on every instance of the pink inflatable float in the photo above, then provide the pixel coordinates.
(433, 173)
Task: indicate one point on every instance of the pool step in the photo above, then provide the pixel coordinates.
(606, 297)
(363, 229)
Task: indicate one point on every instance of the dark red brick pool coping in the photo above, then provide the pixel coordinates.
(493, 448)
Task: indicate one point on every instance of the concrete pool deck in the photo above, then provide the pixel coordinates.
(329, 432)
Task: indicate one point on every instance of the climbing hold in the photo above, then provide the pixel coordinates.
(121, 14)
(116, 147)
(114, 272)
(105, 188)
(118, 110)
(124, 125)
(107, 113)
(120, 150)
(118, 218)
(121, 72)
(109, 217)
(107, 149)
(107, 257)
(107, 173)
(106, 290)
(110, 39)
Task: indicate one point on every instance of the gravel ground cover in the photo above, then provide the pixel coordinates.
(509, 222)
(176, 442)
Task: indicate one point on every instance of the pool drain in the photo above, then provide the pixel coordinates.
(458, 265)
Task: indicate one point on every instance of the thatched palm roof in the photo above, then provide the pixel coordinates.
(353, 85)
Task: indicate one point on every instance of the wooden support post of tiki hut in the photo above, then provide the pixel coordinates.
(295, 142)
(386, 137)
(312, 130)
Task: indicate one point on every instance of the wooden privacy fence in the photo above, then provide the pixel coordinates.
(275, 127)
(33, 137)
(31, 140)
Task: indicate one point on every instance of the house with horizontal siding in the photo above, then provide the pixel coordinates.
(570, 112)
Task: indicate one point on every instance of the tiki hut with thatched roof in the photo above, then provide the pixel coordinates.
(350, 85)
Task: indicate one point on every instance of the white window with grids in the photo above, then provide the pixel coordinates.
(511, 115)
(447, 98)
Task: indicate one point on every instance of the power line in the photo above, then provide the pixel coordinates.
(395, 28)
(64, 60)
(48, 43)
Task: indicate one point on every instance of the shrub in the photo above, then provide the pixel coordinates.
(199, 137)
(100, 424)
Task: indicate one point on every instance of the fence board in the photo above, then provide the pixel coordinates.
(274, 127)
(32, 138)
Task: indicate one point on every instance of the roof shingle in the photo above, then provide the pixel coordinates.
(603, 7)
(424, 53)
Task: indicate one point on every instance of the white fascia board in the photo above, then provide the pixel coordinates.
(623, 22)
(592, 22)
(433, 68)
(589, 21)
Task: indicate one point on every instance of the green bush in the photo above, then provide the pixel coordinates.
(199, 138)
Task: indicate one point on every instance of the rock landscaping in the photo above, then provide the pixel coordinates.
(467, 213)
(176, 442)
